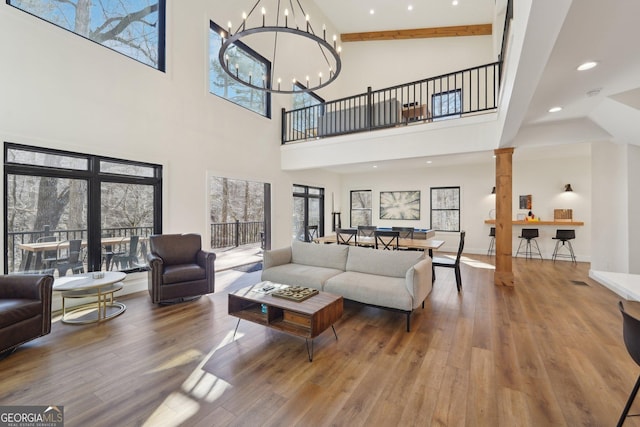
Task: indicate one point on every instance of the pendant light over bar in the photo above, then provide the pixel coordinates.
(280, 28)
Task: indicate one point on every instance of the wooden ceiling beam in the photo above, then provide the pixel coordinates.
(419, 33)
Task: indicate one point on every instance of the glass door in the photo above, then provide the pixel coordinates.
(308, 213)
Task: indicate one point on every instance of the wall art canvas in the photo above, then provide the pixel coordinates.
(400, 205)
(526, 202)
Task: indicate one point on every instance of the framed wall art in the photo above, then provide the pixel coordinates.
(400, 205)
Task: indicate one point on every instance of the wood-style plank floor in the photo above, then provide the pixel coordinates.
(548, 352)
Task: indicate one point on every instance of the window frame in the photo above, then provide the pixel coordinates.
(432, 209)
(351, 209)
(94, 179)
(307, 195)
(162, 34)
(217, 29)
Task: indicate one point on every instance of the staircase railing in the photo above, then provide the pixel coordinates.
(453, 95)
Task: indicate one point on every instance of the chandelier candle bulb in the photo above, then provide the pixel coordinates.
(286, 17)
(264, 12)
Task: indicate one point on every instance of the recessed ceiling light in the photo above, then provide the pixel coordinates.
(429, 162)
(371, 12)
(555, 109)
(410, 8)
(454, 2)
(375, 166)
(587, 66)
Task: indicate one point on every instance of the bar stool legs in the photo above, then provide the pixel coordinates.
(564, 237)
(492, 242)
(529, 235)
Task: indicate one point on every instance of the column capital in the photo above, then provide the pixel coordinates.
(508, 150)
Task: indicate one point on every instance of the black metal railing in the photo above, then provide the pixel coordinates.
(16, 238)
(234, 234)
(453, 95)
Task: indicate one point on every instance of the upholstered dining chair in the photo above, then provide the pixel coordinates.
(452, 262)
(179, 270)
(387, 240)
(631, 336)
(346, 236)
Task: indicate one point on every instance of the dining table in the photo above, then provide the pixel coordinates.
(416, 244)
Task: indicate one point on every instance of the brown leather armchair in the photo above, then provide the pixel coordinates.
(179, 270)
(25, 309)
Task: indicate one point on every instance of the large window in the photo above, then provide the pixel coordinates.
(361, 208)
(135, 28)
(446, 105)
(445, 208)
(308, 212)
(77, 212)
(249, 63)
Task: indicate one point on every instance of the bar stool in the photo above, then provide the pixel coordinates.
(564, 236)
(492, 242)
(529, 235)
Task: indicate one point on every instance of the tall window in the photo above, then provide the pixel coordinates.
(445, 208)
(305, 120)
(361, 208)
(135, 28)
(57, 199)
(446, 105)
(308, 212)
(249, 63)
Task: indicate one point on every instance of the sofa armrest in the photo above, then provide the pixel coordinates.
(419, 281)
(34, 287)
(277, 257)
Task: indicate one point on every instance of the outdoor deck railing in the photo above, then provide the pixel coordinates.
(16, 238)
(228, 234)
(453, 95)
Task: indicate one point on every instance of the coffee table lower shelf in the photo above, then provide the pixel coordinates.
(306, 319)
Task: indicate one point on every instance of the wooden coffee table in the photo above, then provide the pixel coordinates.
(306, 319)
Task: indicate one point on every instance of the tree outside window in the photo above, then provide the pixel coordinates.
(361, 208)
(445, 208)
(135, 28)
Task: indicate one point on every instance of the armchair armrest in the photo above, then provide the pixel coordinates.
(277, 257)
(207, 260)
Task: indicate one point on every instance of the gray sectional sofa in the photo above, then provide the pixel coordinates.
(396, 280)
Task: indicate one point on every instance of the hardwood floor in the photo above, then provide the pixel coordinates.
(548, 352)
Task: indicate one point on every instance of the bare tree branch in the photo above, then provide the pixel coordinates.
(123, 23)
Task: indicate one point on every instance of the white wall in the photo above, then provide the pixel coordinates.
(61, 91)
(544, 179)
(389, 63)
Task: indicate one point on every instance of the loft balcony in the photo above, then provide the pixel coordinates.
(455, 95)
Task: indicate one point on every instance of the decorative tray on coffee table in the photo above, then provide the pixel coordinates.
(295, 293)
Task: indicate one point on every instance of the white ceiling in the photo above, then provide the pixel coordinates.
(604, 31)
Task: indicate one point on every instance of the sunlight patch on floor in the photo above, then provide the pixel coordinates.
(178, 407)
(476, 263)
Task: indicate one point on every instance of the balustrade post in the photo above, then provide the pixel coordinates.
(237, 240)
(369, 107)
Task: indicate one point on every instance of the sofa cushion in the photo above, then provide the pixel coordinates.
(16, 310)
(329, 256)
(383, 263)
(383, 291)
(300, 275)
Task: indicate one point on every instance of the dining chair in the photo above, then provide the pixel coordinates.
(126, 259)
(73, 261)
(631, 336)
(312, 232)
(405, 232)
(366, 235)
(48, 259)
(346, 236)
(387, 240)
(452, 262)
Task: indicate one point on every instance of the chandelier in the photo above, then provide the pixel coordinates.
(301, 59)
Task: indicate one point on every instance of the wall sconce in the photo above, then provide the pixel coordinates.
(493, 191)
(568, 187)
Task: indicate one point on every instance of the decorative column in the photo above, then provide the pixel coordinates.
(503, 275)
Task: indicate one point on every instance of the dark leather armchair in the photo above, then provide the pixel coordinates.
(179, 270)
(25, 309)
